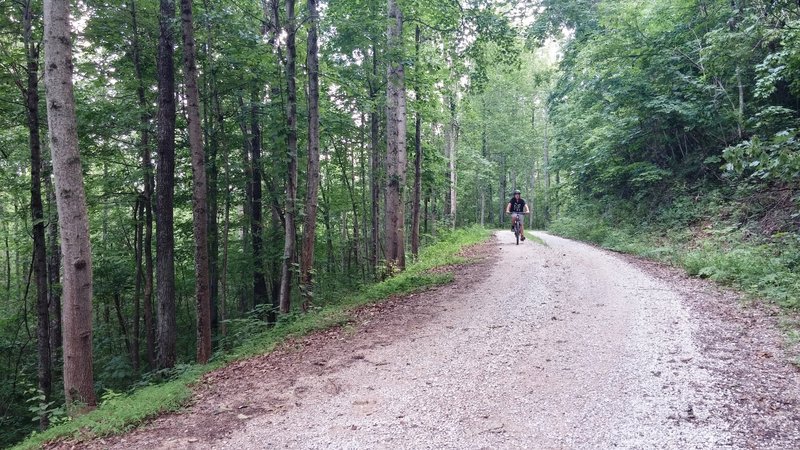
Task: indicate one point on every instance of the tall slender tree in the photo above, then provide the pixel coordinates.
(374, 162)
(212, 110)
(312, 190)
(165, 275)
(31, 94)
(451, 142)
(223, 327)
(147, 194)
(138, 234)
(53, 265)
(256, 198)
(415, 204)
(200, 188)
(291, 175)
(396, 158)
(72, 212)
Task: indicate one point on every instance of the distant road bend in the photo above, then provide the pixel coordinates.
(556, 346)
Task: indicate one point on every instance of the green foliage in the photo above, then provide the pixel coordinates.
(123, 412)
(577, 15)
(768, 269)
(677, 126)
(661, 93)
(776, 159)
(39, 406)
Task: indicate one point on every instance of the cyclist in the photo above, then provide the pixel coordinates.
(517, 207)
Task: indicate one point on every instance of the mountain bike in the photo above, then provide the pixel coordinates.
(517, 226)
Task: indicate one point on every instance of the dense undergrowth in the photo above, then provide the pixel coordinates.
(733, 240)
(119, 412)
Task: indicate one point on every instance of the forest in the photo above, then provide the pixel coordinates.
(181, 177)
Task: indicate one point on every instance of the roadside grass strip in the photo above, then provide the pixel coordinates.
(536, 239)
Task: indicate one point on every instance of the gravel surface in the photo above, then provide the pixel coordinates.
(534, 346)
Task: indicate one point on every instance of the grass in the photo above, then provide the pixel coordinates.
(120, 413)
(123, 413)
(535, 238)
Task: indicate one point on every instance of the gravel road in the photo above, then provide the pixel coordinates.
(544, 346)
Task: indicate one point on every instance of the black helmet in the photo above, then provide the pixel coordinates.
(516, 191)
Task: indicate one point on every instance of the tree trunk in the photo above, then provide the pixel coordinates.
(216, 131)
(513, 179)
(310, 222)
(395, 140)
(200, 188)
(273, 31)
(502, 194)
(291, 176)
(447, 151)
(546, 167)
(147, 195)
(165, 240)
(145, 255)
(532, 194)
(149, 325)
(356, 226)
(452, 143)
(483, 207)
(123, 327)
(556, 200)
(138, 219)
(53, 270)
(490, 195)
(417, 166)
(222, 304)
(72, 213)
(415, 206)
(213, 228)
(362, 159)
(256, 209)
(740, 109)
(374, 164)
(485, 154)
(31, 93)
(8, 262)
(326, 220)
(223, 328)
(349, 183)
